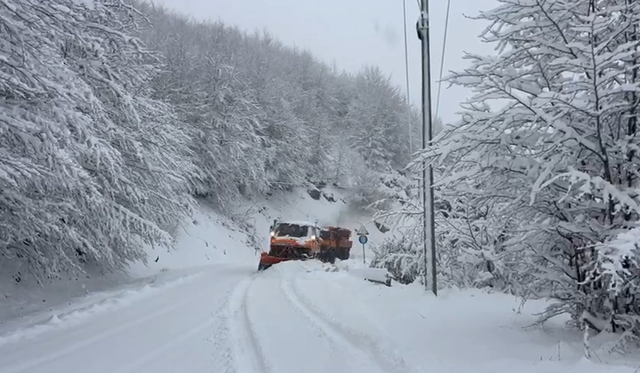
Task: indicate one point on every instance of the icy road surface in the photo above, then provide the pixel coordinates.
(295, 317)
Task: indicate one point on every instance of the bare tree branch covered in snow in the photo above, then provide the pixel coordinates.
(80, 139)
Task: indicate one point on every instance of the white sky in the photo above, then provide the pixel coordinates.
(353, 33)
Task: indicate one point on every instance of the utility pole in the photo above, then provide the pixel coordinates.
(427, 137)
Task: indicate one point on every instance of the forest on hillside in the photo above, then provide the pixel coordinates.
(117, 116)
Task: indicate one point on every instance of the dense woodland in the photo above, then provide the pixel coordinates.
(116, 117)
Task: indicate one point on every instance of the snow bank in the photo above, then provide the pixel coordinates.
(459, 331)
(21, 295)
(380, 275)
(208, 238)
(81, 310)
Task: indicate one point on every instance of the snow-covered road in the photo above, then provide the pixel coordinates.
(214, 320)
(293, 335)
(295, 317)
(177, 325)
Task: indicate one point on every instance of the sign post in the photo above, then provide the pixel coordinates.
(363, 239)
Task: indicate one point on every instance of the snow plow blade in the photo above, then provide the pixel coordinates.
(267, 261)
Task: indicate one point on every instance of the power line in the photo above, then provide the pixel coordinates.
(444, 47)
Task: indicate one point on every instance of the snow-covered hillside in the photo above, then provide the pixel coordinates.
(208, 238)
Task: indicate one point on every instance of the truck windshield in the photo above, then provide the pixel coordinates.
(291, 230)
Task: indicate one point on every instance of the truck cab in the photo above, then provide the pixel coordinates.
(294, 239)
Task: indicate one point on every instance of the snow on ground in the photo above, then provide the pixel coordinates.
(295, 317)
(205, 308)
(206, 238)
(404, 328)
(181, 327)
(93, 304)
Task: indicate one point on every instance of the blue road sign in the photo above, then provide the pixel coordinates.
(363, 239)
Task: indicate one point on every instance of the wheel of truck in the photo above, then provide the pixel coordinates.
(331, 256)
(339, 254)
(345, 254)
(327, 256)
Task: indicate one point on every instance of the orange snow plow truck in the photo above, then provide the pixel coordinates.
(304, 240)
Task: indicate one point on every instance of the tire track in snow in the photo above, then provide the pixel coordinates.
(385, 358)
(215, 322)
(356, 360)
(248, 356)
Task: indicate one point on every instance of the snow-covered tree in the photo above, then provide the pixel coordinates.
(375, 116)
(554, 164)
(287, 118)
(91, 166)
(214, 107)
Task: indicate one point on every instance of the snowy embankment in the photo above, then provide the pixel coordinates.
(407, 329)
(208, 238)
(204, 308)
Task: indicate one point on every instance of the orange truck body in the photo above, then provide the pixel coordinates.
(337, 239)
